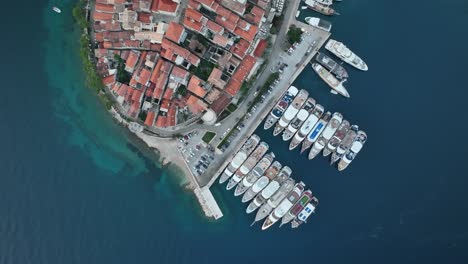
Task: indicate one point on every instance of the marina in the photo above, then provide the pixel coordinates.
(264, 184)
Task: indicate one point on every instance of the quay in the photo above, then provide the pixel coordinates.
(187, 153)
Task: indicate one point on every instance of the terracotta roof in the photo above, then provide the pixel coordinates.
(240, 75)
(240, 48)
(174, 32)
(109, 80)
(132, 59)
(244, 68)
(168, 93)
(99, 36)
(260, 49)
(226, 18)
(195, 105)
(233, 87)
(215, 78)
(193, 14)
(220, 40)
(193, 4)
(179, 73)
(171, 115)
(246, 32)
(144, 17)
(207, 3)
(221, 102)
(144, 76)
(167, 6)
(193, 25)
(255, 15)
(149, 121)
(170, 49)
(104, 8)
(195, 86)
(161, 121)
(156, 71)
(98, 16)
(214, 27)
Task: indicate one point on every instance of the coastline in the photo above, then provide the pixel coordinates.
(171, 158)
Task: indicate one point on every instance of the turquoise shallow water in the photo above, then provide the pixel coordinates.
(76, 188)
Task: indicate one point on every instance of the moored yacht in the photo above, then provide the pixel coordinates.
(284, 206)
(331, 80)
(240, 157)
(331, 65)
(327, 134)
(305, 213)
(345, 144)
(337, 138)
(307, 126)
(261, 183)
(275, 199)
(297, 208)
(345, 54)
(315, 132)
(255, 174)
(297, 122)
(321, 8)
(270, 189)
(291, 112)
(353, 151)
(248, 165)
(280, 107)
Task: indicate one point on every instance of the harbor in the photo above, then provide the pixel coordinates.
(307, 125)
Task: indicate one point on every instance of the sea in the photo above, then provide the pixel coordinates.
(77, 188)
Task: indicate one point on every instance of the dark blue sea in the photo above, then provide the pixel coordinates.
(76, 188)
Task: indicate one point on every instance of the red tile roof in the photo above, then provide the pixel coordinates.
(214, 27)
(240, 48)
(244, 69)
(174, 32)
(168, 93)
(180, 73)
(207, 3)
(98, 16)
(99, 36)
(144, 76)
(149, 121)
(132, 59)
(220, 40)
(170, 50)
(215, 78)
(195, 105)
(161, 121)
(104, 8)
(246, 31)
(109, 80)
(233, 87)
(193, 4)
(255, 15)
(171, 115)
(221, 102)
(260, 49)
(156, 71)
(193, 25)
(144, 17)
(193, 14)
(195, 86)
(167, 6)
